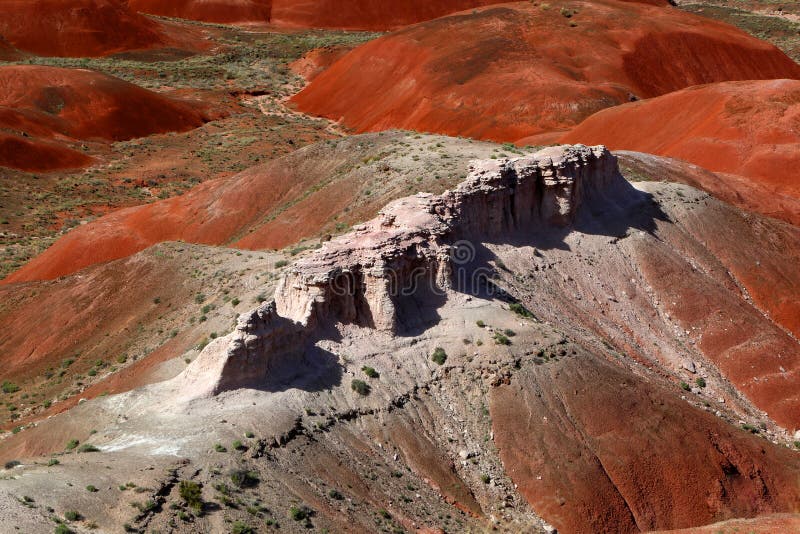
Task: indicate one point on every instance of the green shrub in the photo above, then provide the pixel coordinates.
(501, 339)
(480, 324)
(191, 492)
(9, 387)
(244, 478)
(485, 479)
(509, 332)
(520, 310)
(71, 444)
(685, 386)
(370, 372)
(360, 387)
(61, 528)
(239, 527)
(333, 494)
(91, 489)
(701, 382)
(249, 435)
(439, 356)
(53, 461)
(72, 515)
(298, 513)
(238, 446)
(220, 448)
(88, 447)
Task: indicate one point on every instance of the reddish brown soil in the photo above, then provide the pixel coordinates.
(78, 27)
(551, 71)
(318, 61)
(618, 453)
(37, 155)
(207, 10)
(769, 524)
(89, 105)
(754, 352)
(265, 207)
(46, 108)
(98, 315)
(365, 14)
(750, 129)
(736, 190)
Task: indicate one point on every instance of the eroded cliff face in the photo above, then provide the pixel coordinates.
(360, 277)
(389, 272)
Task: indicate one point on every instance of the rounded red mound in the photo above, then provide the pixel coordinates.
(207, 10)
(515, 70)
(71, 28)
(365, 14)
(41, 107)
(749, 129)
(84, 104)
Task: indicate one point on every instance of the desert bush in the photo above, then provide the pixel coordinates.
(370, 372)
(88, 447)
(240, 527)
(243, 478)
(501, 339)
(9, 387)
(72, 515)
(71, 444)
(701, 382)
(520, 310)
(439, 356)
(360, 387)
(191, 492)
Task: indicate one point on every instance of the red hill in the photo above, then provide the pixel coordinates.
(748, 129)
(40, 105)
(551, 71)
(77, 27)
(207, 10)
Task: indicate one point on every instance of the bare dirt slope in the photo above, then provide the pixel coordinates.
(75, 28)
(554, 64)
(113, 327)
(51, 109)
(319, 189)
(224, 11)
(550, 285)
(749, 129)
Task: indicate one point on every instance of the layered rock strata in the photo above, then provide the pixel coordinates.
(391, 268)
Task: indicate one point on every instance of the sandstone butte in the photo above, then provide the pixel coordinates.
(749, 129)
(615, 448)
(44, 109)
(80, 28)
(516, 70)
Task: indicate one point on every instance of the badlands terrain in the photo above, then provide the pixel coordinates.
(412, 266)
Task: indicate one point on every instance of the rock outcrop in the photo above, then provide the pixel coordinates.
(386, 272)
